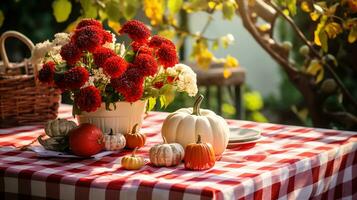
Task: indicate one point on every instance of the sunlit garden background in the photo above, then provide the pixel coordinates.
(208, 32)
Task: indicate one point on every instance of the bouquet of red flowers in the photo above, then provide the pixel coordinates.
(96, 69)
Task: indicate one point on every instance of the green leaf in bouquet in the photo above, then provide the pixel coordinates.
(152, 92)
(169, 98)
(151, 103)
(90, 10)
(129, 56)
(162, 101)
(166, 89)
(75, 110)
(61, 10)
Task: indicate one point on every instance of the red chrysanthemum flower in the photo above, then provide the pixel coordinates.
(88, 99)
(101, 54)
(147, 64)
(70, 53)
(130, 85)
(141, 48)
(167, 55)
(89, 22)
(115, 66)
(156, 41)
(59, 81)
(136, 30)
(46, 74)
(76, 77)
(88, 38)
(107, 37)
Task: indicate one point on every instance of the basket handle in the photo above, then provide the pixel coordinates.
(17, 35)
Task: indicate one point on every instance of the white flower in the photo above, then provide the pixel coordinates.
(171, 71)
(121, 48)
(61, 39)
(40, 51)
(98, 77)
(111, 45)
(228, 39)
(187, 80)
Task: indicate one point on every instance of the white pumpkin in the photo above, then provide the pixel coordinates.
(114, 142)
(166, 154)
(184, 125)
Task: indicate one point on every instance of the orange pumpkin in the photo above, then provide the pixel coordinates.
(199, 156)
(135, 139)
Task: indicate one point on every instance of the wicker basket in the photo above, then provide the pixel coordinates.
(23, 100)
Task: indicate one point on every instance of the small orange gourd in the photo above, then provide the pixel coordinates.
(199, 156)
(134, 139)
(132, 162)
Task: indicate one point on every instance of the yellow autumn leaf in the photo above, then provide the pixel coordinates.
(228, 109)
(257, 117)
(154, 10)
(230, 62)
(316, 69)
(320, 28)
(226, 73)
(314, 16)
(331, 10)
(264, 27)
(253, 101)
(114, 25)
(72, 26)
(333, 29)
(306, 6)
(352, 36)
(286, 12)
(204, 59)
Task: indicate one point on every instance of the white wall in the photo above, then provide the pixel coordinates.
(262, 71)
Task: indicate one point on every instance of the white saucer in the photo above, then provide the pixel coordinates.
(239, 135)
(238, 144)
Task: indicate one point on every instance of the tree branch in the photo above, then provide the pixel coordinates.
(314, 51)
(267, 44)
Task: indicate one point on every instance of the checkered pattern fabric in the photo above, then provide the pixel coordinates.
(288, 163)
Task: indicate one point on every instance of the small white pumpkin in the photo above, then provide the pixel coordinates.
(184, 125)
(166, 154)
(114, 142)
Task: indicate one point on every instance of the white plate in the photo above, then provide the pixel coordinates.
(42, 152)
(236, 144)
(242, 134)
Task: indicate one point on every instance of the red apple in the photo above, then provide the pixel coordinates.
(86, 140)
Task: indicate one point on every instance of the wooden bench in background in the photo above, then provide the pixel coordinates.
(213, 77)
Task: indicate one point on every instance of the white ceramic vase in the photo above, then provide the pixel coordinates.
(121, 120)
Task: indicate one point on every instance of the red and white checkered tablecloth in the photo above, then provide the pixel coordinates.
(288, 163)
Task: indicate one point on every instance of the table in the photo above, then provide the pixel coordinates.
(288, 163)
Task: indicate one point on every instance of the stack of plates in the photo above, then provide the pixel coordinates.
(241, 136)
